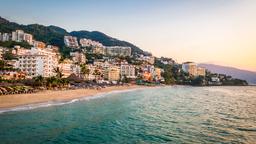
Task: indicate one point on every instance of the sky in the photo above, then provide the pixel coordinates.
(204, 31)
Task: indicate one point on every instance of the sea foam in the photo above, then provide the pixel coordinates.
(63, 102)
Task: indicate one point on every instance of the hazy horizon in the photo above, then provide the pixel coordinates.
(216, 32)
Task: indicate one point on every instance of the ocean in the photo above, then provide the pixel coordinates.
(175, 114)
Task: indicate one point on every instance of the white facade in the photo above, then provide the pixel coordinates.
(38, 62)
(118, 51)
(128, 71)
(18, 35)
(32, 65)
(5, 37)
(87, 42)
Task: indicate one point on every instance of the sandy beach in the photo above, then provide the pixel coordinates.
(9, 101)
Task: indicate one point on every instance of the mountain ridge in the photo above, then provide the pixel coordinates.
(54, 35)
(247, 75)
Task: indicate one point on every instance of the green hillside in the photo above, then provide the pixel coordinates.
(54, 35)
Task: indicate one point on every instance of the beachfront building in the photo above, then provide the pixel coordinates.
(71, 42)
(52, 59)
(192, 69)
(37, 62)
(146, 76)
(128, 71)
(66, 67)
(78, 57)
(32, 64)
(118, 51)
(92, 69)
(89, 43)
(112, 73)
(157, 74)
(95, 72)
(12, 74)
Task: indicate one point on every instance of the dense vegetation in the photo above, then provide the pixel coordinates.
(11, 44)
(54, 35)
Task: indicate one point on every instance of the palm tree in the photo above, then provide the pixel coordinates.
(52, 82)
(39, 80)
(3, 64)
(58, 72)
(97, 73)
(84, 70)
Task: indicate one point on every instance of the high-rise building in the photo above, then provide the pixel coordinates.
(112, 73)
(190, 67)
(193, 69)
(118, 51)
(18, 35)
(32, 64)
(5, 37)
(87, 43)
(128, 71)
(38, 62)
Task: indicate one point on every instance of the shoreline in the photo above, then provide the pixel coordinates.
(11, 102)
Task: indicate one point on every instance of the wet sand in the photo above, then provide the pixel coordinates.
(10, 101)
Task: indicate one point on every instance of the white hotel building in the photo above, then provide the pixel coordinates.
(128, 71)
(20, 35)
(38, 62)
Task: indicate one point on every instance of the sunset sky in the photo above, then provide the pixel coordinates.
(209, 31)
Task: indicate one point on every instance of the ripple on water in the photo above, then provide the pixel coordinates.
(164, 115)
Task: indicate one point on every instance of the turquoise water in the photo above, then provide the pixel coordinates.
(175, 114)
